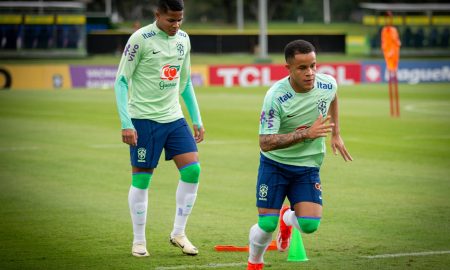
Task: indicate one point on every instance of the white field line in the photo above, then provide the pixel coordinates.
(205, 266)
(111, 145)
(426, 109)
(18, 148)
(444, 137)
(425, 253)
(415, 138)
(206, 142)
(230, 142)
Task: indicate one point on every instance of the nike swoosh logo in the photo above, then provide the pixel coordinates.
(156, 52)
(291, 115)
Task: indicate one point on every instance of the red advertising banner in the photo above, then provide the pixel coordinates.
(266, 75)
(344, 73)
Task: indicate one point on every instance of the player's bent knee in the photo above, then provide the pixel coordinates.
(190, 173)
(308, 224)
(268, 223)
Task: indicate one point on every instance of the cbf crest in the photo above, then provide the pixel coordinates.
(322, 106)
(263, 189)
(142, 152)
(180, 49)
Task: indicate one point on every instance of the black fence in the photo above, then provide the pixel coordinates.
(42, 29)
(100, 43)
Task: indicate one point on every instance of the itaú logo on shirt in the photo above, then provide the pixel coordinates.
(170, 72)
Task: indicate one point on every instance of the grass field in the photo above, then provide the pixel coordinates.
(64, 179)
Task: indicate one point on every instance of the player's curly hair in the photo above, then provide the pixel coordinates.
(174, 5)
(297, 46)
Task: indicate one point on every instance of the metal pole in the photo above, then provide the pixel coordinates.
(262, 29)
(240, 15)
(108, 7)
(326, 12)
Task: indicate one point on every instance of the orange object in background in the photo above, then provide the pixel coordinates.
(390, 44)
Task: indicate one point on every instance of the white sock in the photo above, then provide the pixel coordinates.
(137, 201)
(290, 219)
(259, 241)
(185, 199)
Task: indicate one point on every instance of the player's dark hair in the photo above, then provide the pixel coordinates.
(174, 5)
(296, 47)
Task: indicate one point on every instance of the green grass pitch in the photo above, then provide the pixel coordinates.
(64, 179)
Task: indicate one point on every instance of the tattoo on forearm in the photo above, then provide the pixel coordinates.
(279, 141)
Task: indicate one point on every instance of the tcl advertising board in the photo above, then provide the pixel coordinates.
(266, 75)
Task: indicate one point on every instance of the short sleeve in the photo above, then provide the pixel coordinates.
(269, 122)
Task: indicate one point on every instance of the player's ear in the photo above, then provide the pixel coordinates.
(287, 66)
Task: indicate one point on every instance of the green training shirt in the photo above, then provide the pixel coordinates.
(153, 68)
(285, 110)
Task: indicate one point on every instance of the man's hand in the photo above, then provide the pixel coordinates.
(199, 133)
(320, 128)
(338, 144)
(129, 136)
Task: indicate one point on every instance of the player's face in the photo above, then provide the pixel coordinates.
(169, 22)
(302, 71)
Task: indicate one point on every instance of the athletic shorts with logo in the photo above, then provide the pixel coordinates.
(174, 137)
(276, 181)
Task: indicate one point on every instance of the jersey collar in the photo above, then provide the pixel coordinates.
(289, 86)
(161, 32)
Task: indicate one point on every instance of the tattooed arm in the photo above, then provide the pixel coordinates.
(269, 142)
(320, 128)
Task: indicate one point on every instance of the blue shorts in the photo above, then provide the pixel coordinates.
(175, 137)
(276, 181)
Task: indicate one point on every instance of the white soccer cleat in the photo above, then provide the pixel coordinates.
(139, 250)
(186, 246)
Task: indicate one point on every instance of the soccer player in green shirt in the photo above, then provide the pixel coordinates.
(153, 72)
(299, 111)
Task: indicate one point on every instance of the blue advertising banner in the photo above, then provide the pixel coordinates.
(408, 71)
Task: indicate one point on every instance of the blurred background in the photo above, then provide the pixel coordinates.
(81, 28)
(94, 32)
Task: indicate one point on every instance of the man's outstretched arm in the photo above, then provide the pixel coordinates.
(320, 128)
